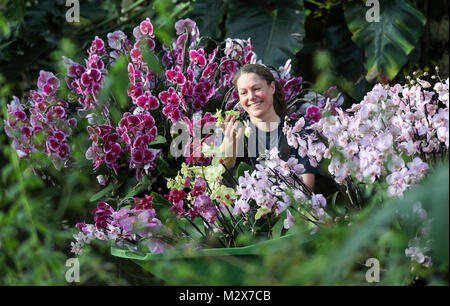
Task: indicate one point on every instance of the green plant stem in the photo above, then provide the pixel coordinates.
(234, 219)
(185, 52)
(196, 227)
(23, 197)
(24, 200)
(314, 2)
(209, 227)
(237, 183)
(208, 38)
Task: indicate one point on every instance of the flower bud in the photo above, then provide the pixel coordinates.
(101, 179)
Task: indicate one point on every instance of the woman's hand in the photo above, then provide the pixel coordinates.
(230, 140)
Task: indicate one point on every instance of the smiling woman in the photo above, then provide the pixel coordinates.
(255, 83)
(256, 97)
(260, 95)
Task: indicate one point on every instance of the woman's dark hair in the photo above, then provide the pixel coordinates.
(263, 72)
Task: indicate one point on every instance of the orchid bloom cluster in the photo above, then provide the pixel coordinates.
(313, 105)
(142, 79)
(87, 81)
(135, 131)
(420, 245)
(194, 77)
(228, 67)
(198, 192)
(316, 104)
(270, 186)
(291, 85)
(193, 150)
(127, 227)
(133, 136)
(46, 128)
(388, 134)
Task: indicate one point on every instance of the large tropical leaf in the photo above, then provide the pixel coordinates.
(388, 42)
(276, 28)
(208, 15)
(348, 58)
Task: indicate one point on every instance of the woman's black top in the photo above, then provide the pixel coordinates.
(251, 152)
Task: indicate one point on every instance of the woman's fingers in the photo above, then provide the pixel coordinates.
(235, 125)
(231, 133)
(225, 123)
(239, 133)
(230, 127)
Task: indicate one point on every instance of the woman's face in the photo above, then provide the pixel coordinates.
(255, 95)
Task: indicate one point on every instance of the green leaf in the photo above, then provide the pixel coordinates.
(208, 15)
(163, 168)
(17, 12)
(159, 140)
(243, 166)
(102, 193)
(152, 60)
(159, 199)
(269, 224)
(190, 229)
(348, 58)
(140, 187)
(278, 225)
(333, 199)
(117, 83)
(276, 31)
(388, 42)
(92, 10)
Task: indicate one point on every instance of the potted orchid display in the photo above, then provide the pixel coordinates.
(157, 152)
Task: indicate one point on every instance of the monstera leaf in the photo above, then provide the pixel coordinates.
(276, 28)
(387, 41)
(348, 58)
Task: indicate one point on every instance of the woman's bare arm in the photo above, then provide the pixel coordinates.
(309, 179)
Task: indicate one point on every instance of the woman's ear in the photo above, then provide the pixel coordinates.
(272, 87)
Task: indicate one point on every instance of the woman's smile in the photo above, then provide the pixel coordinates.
(256, 96)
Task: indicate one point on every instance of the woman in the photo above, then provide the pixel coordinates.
(261, 97)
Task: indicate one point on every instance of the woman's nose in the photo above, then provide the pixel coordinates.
(251, 95)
